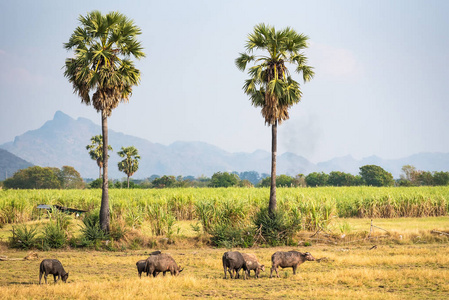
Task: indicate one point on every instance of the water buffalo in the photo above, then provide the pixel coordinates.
(253, 264)
(52, 266)
(291, 259)
(141, 267)
(233, 261)
(161, 263)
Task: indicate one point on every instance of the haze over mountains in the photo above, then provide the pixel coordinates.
(62, 141)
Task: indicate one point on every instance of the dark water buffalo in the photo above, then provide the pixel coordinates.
(290, 259)
(52, 266)
(141, 267)
(141, 264)
(161, 263)
(253, 264)
(233, 261)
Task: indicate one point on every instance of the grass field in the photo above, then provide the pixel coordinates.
(409, 260)
(355, 272)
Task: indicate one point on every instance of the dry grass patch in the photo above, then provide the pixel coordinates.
(388, 272)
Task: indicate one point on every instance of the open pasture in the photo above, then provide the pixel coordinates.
(355, 272)
(411, 263)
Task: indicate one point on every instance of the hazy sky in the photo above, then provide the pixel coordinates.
(381, 85)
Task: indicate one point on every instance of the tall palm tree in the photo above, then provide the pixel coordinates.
(270, 85)
(96, 151)
(103, 74)
(130, 164)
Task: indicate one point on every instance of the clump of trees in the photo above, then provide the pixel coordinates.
(413, 177)
(369, 175)
(45, 178)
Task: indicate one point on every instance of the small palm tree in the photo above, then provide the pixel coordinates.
(270, 85)
(96, 151)
(102, 73)
(130, 164)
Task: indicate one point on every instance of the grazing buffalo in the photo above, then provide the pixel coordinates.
(233, 261)
(141, 267)
(253, 264)
(52, 266)
(161, 263)
(290, 259)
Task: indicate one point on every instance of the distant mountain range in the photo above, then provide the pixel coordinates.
(62, 141)
(9, 164)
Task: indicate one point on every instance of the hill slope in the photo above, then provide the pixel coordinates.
(62, 141)
(10, 163)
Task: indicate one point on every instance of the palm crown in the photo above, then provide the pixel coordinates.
(103, 45)
(96, 149)
(270, 85)
(131, 162)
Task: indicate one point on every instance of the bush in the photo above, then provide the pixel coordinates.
(56, 231)
(91, 231)
(23, 237)
(226, 222)
(278, 228)
(224, 235)
(161, 220)
(54, 236)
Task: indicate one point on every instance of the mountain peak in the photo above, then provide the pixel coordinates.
(59, 115)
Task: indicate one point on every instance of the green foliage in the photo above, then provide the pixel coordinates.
(45, 178)
(34, 178)
(54, 236)
(270, 85)
(337, 178)
(316, 206)
(161, 219)
(224, 179)
(91, 230)
(70, 178)
(376, 176)
(103, 46)
(277, 228)
(55, 232)
(96, 151)
(223, 235)
(98, 184)
(164, 182)
(441, 178)
(130, 164)
(414, 177)
(23, 237)
(281, 181)
(227, 222)
(317, 179)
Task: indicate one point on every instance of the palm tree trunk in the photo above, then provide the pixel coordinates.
(128, 181)
(99, 173)
(273, 203)
(104, 209)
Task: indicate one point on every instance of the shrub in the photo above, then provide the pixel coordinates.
(224, 235)
(54, 236)
(161, 219)
(23, 237)
(91, 230)
(277, 228)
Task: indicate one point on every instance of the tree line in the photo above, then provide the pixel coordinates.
(370, 175)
